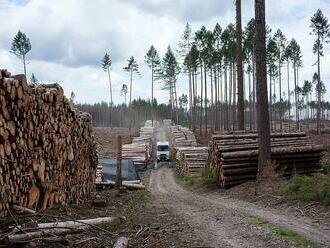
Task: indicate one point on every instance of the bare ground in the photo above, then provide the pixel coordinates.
(221, 221)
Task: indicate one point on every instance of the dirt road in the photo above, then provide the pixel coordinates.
(226, 222)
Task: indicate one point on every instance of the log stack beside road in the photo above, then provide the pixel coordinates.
(182, 136)
(47, 151)
(141, 149)
(190, 157)
(234, 156)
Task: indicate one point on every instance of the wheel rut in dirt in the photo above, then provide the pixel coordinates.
(226, 222)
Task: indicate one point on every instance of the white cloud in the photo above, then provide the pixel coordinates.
(69, 37)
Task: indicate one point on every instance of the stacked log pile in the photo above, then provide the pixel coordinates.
(191, 159)
(235, 156)
(182, 136)
(141, 149)
(47, 151)
(167, 122)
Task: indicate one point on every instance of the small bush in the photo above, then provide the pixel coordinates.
(190, 179)
(326, 167)
(109, 226)
(309, 188)
(209, 178)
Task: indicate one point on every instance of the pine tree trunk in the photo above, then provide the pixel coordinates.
(130, 88)
(111, 101)
(298, 110)
(193, 106)
(221, 100)
(24, 66)
(201, 104)
(226, 123)
(295, 94)
(234, 98)
(255, 115)
(152, 93)
(176, 103)
(289, 100)
(212, 100)
(216, 80)
(205, 99)
(230, 94)
(270, 100)
(318, 90)
(261, 84)
(190, 98)
(250, 101)
(280, 85)
(239, 63)
(273, 122)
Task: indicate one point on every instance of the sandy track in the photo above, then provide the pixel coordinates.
(225, 222)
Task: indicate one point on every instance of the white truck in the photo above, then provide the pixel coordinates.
(163, 151)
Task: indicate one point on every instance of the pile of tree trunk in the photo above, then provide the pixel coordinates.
(191, 159)
(167, 122)
(182, 136)
(47, 151)
(141, 149)
(234, 156)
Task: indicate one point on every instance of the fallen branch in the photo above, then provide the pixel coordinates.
(54, 228)
(37, 235)
(121, 242)
(125, 184)
(79, 224)
(23, 209)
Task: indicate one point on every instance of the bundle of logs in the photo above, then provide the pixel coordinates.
(47, 151)
(141, 149)
(234, 156)
(182, 136)
(191, 159)
(167, 122)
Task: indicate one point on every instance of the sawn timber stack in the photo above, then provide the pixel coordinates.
(234, 156)
(47, 151)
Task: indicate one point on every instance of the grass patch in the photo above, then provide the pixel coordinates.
(326, 167)
(309, 188)
(191, 179)
(284, 233)
(109, 226)
(139, 198)
(197, 179)
(209, 178)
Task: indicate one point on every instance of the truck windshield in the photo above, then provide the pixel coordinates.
(162, 148)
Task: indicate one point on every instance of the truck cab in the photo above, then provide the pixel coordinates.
(163, 151)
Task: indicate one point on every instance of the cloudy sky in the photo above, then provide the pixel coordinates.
(69, 37)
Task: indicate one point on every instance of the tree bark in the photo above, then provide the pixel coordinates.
(239, 63)
(152, 93)
(289, 100)
(261, 84)
(119, 157)
(318, 88)
(205, 99)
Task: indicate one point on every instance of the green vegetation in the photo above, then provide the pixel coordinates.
(196, 179)
(209, 178)
(326, 167)
(309, 188)
(284, 233)
(140, 198)
(191, 179)
(109, 226)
